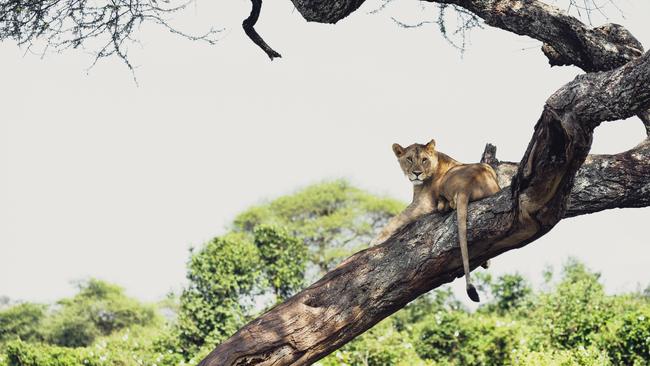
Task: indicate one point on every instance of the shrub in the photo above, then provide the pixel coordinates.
(334, 219)
(579, 356)
(98, 309)
(573, 314)
(284, 258)
(458, 338)
(382, 345)
(509, 291)
(628, 338)
(22, 321)
(20, 353)
(220, 275)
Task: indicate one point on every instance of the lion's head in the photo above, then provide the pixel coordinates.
(419, 162)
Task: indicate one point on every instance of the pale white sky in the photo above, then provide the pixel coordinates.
(100, 177)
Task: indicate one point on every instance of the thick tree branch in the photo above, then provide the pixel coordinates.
(249, 29)
(603, 181)
(326, 11)
(376, 282)
(567, 41)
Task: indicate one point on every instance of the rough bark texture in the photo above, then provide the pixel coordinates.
(555, 179)
(603, 181)
(326, 11)
(567, 41)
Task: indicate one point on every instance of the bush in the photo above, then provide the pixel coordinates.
(20, 353)
(441, 299)
(98, 309)
(580, 356)
(220, 275)
(628, 338)
(22, 321)
(136, 346)
(334, 219)
(284, 258)
(382, 345)
(459, 338)
(509, 291)
(573, 314)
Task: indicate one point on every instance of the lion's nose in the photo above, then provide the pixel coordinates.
(417, 173)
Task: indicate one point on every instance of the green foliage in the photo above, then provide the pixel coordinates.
(574, 323)
(334, 219)
(423, 306)
(284, 258)
(268, 251)
(580, 356)
(576, 311)
(628, 339)
(22, 321)
(571, 321)
(220, 275)
(132, 347)
(98, 309)
(460, 338)
(19, 353)
(509, 291)
(382, 345)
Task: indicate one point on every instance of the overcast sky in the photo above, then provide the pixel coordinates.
(101, 177)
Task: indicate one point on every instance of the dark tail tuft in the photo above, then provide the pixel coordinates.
(472, 293)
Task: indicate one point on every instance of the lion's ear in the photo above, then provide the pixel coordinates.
(431, 145)
(398, 150)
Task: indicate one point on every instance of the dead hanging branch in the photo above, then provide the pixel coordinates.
(249, 29)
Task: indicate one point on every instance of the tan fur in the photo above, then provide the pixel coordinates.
(440, 182)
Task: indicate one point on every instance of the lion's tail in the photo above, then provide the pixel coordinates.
(462, 200)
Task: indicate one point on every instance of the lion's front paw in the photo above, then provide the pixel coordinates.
(442, 206)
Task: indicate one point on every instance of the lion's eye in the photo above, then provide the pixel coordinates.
(424, 160)
(409, 160)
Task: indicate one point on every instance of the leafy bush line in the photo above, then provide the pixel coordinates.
(276, 248)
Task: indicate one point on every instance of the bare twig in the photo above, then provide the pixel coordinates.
(249, 24)
(104, 27)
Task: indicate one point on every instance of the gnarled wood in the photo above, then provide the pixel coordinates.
(249, 28)
(567, 41)
(326, 11)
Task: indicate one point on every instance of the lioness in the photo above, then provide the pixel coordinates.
(440, 182)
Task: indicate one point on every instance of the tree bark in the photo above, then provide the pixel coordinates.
(249, 28)
(326, 11)
(567, 41)
(555, 179)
